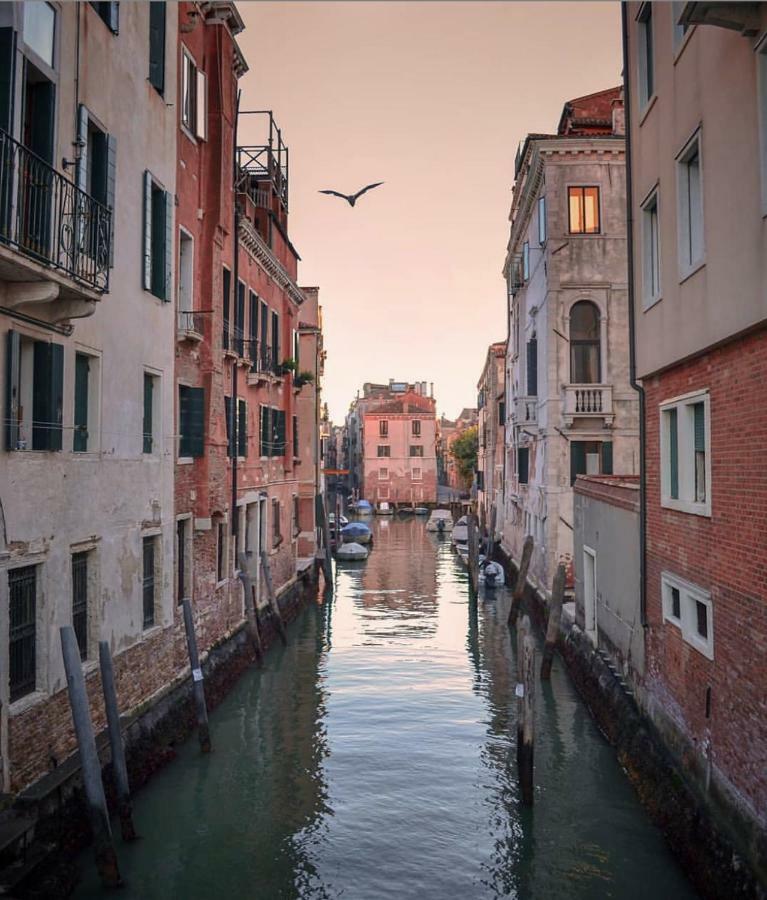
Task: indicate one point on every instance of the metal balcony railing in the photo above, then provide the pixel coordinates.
(190, 322)
(48, 218)
(262, 360)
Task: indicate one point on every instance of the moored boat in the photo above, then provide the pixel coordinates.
(440, 520)
(352, 552)
(357, 532)
(384, 509)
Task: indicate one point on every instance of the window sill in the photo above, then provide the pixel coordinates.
(692, 640)
(648, 303)
(684, 274)
(645, 111)
(152, 631)
(686, 506)
(187, 133)
(27, 702)
(678, 51)
(185, 460)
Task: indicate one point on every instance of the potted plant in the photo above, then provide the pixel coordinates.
(303, 378)
(287, 365)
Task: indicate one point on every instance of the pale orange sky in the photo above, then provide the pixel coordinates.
(432, 98)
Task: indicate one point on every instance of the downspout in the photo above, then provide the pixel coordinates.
(235, 305)
(632, 327)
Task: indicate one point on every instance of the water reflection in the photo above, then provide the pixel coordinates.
(374, 757)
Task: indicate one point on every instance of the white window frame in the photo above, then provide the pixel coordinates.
(645, 94)
(686, 501)
(416, 477)
(689, 595)
(651, 250)
(761, 76)
(383, 474)
(526, 261)
(195, 125)
(187, 238)
(692, 261)
(542, 221)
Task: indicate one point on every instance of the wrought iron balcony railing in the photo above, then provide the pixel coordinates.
(190, 322)
(49, 219)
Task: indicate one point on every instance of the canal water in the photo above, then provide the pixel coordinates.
(374, 758)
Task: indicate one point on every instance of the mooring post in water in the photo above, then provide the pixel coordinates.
(525, 691)
(203, 731)
(555, 618)
(473, 553)
(274, 605)
(520, 583)
(327, 558)
(491, 534)
(106, 857)
(119, 768)
(250, 606)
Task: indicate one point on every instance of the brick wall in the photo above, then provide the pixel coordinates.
(726, 555)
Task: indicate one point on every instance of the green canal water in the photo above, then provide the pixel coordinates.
(374, 758)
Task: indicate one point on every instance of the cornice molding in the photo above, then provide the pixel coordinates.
(254, 244)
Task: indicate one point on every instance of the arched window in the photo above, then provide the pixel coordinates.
(584, 343)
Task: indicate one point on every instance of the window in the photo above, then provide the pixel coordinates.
(685, 454)
(191, 421)
(227, 292)
(157, 46)
(690, 212)
(183, 559)
(194, 97)
(151, 415)
(35, 384)
(40, 29)
(96, 176)
(149, 579)
(650, 251)
(220, 551)
(384, 450)
(689, 608)
(679, 30)
(296, 521)
(585, 352)
(158, 238)
(109, 13)
(272, 432)
(383, 474)
(275, 339)
(383, 428)
(646, 55)
(185, 281)
(415, 474)
(583, 205)
(590, 458)
(239, 320)
(80, 601)
(416, 428)
(541, 220)
(296, 445)
(523, 464)
(761, 66)
(276, 523)
(265, 352)
(253, 335)
(416, 450)
(532, 367)
(22, 639)
(525, 261)
(242, 428)
(480, 478)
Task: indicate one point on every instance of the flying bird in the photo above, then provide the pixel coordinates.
(351, 199)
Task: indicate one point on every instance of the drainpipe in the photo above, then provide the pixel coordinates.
(235, 294)
(632, 328)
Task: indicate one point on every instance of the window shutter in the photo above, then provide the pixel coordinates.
(196, 421)
(202, 106)
(157, 45)
(523, 466)
(7, 77)
(673, 454)
(47, 396)
(276, 338)
(82, 139)
(700, 428)
(111, 188)
(532, 367)
(239, 325)
(577, 460)
(264, 432)
(168, 247)
(229, 434)
(147, 262)
(12, 371)
(80, 439)
(295, 436)
(607, 457)
(227, 290)
(148, 414)
(242, 428)
(253, 318)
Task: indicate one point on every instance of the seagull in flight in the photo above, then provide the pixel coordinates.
(351, 199)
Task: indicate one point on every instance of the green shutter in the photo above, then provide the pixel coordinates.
(148, 413)
(295, 436)
(82, 368)
(276, 338)
(229, 431)
(47, 396)
(191, 403)
(532, 367)
(111, 188)
(227, 288)
(607, 457)
(7, 77)
(264, 334)
(523, 464)
(577, 460)
(12, 373)
(158, 204)
(673, 454)
(168, 250)
(82, 137)
(157, 45)
(700, 427)
(147, 242)
(242, 428)
(239, 324)
(253, 319)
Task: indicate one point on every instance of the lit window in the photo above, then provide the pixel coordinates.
(689, 608)
(583, 205)
(690, 199)
(685, 454)
(650, 251)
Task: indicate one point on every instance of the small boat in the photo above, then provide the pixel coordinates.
(421, 511)
(383, 509)
(461, 531)
(332, 520)
(358, 532)
(440, 520)
(364, 508)
(491, 574)
(352, 552)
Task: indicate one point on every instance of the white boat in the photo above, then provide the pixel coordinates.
(383, 509)
(421, 511)
(352, 552)
(440, 520)
(332, 519)
(491, 574)
(461, 531)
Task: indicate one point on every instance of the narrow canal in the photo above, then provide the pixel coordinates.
(374, 758)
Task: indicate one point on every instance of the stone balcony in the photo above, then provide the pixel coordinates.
(589, 401)
(525, 413)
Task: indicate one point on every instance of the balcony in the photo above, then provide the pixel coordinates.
(190, 326)
(588, 401)
(525, 412)
(55, 240)
(263, 365)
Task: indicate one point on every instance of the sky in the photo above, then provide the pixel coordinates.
(431, 98)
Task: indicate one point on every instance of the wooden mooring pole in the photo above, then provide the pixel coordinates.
(327, 557)
(491, 534)
(473, 553)
(250, 606)
(520, 583)
(203, 730)
(119, 768)
(555, 618)
(106, 857)
(274, 606)
(525, 691)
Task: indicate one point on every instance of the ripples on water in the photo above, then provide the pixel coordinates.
(374, 757)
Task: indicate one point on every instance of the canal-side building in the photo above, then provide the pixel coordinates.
(491, 405)
(448, 432)
(571, 409)
(697, 83)
(87, 217)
